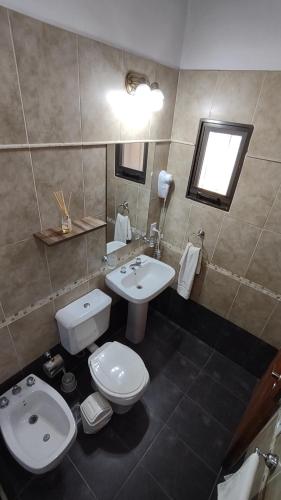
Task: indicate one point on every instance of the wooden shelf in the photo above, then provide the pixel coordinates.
(54, 236)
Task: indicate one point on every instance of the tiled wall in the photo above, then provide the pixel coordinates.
(241, 277)
(54, 89)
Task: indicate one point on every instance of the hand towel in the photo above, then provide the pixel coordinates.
(122, 231)
(189, 265)
(239, 485)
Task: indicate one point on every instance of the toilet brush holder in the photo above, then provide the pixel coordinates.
(68, 382)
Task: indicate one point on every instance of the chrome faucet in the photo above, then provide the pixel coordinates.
(138, 263)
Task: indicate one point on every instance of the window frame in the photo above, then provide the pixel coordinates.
(130, 174)
(205, 196)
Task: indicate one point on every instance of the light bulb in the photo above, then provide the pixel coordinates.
(143, 90)
(156, 99)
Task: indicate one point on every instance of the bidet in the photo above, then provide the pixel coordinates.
(36, 414)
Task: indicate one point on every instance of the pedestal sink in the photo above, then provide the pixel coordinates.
(139, 281)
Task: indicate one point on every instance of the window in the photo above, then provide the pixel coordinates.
(219, 154)
(131, 161)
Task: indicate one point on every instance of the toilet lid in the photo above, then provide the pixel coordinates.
(118, 369)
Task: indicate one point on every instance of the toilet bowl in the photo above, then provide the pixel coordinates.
(37, 424)
(118, 373)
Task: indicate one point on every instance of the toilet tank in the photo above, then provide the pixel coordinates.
(84, 320)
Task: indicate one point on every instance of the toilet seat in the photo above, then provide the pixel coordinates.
(119, 373)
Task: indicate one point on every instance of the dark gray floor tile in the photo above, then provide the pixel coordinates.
(103, 460)
(178, 471)
(217, 401)
(137, 428)
(153, 358)
(63, 483)
(161, 397)
(201, 432)
(161, 329)
(193, 348)
(181, 371)
(232, 376)
(13, 477)
(141, 486)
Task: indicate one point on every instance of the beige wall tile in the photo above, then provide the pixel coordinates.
(97, 282)
(67, 262)
(48, 73)
(194, 100)
(272, 331)
(235, 246)
(12, 130)
(265, 266)
(23, 270)
(18, 209)
(96, 249)
(218, 292)
(251, 309)
(179, 165)
(54, 170)
(34, 334)
(267, 120)
(100, 73)
(8, 360)
(69, 297)
(143, 208)
(273, 488)
(162, 121)
(94, 168)
(257, 187)
(236, 95)
(273, 222)
(209, 219)
(176, 221)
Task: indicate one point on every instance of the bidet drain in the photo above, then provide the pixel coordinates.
(46, 437)
(33, 419)
(139, 287)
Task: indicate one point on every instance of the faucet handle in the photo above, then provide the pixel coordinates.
(30, 381)
(16, 389)
(4, 402)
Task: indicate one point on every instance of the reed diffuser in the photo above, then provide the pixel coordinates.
(66, 225)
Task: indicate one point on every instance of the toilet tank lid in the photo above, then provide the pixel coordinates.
(82, 309)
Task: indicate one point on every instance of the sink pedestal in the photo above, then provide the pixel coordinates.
(136, 322)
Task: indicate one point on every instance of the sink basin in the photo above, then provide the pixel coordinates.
(37, 425)
(142, 284)
(139, 286)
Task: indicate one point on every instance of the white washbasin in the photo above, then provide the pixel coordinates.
(142, 284)
(37, 425)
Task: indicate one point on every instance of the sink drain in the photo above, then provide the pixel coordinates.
(46, 437)
(33, 419)
(139, 287)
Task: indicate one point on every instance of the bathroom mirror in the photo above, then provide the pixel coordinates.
(128, 199)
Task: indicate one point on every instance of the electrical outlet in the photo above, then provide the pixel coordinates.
(153, 226)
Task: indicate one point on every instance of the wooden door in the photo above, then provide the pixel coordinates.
(263, 404)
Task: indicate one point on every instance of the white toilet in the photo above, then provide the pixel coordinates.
(118, 373)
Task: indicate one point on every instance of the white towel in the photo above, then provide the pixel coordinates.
(239, 485)
(122, 231)
(189, 266)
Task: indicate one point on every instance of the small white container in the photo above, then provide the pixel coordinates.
(96, 412)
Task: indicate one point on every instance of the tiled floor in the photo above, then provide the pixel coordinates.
(170, 445)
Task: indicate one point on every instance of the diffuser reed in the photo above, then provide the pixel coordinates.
(66, 225)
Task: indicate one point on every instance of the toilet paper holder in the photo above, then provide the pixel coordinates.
(271, 459)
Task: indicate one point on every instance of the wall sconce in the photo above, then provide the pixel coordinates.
(138, 85)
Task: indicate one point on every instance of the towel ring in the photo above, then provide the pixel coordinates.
(125, 207)
(200, 234)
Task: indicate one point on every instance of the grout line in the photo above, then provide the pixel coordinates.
(215, 483)
(25, 123)
(253, 253)
(82, 477)
(259, 96)
(156, 481)
(232, 303)
(268, 320)
(218, 237)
